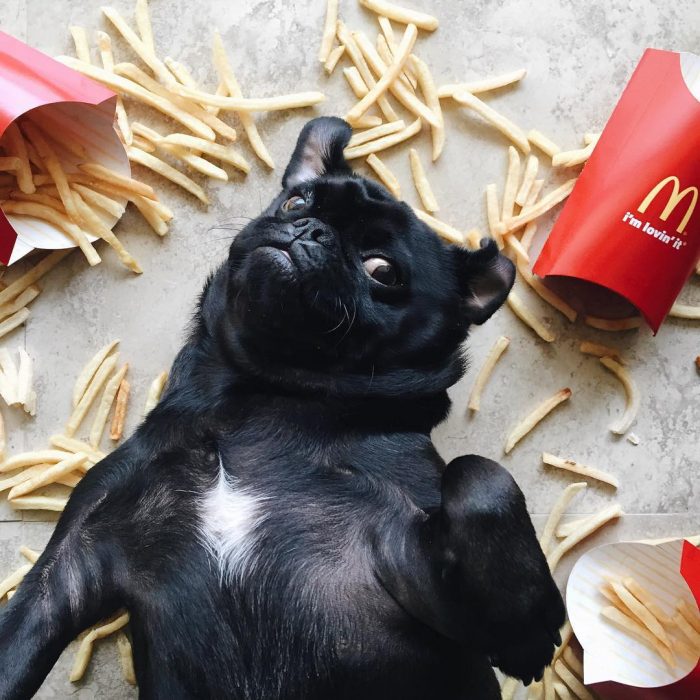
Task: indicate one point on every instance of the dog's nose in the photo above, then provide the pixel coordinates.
(312, 229)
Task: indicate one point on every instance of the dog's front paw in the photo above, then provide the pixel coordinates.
(525, 646)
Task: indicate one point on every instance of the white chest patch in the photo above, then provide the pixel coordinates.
(229, 517)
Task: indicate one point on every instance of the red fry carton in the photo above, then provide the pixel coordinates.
(77, 108)
(615, 663)
(632, 224)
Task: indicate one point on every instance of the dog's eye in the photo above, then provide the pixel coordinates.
(381, 270)
(294, 203)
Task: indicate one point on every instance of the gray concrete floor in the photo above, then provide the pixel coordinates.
(579, 55)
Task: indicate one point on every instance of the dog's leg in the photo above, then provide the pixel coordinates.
(65, 592)
(474, 570)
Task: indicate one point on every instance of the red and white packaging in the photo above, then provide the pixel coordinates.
(615, 664)
(632, 222)
(81, 108)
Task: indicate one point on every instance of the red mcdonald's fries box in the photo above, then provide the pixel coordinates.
(618, 664)
(632, 222)
(66, 107)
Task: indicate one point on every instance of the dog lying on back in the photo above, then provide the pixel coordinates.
(281, 525)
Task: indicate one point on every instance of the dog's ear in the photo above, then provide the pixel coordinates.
(319, 151)
(485, 278)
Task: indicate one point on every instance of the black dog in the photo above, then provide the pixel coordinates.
(281, 526)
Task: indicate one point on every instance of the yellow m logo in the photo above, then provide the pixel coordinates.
(673, 201)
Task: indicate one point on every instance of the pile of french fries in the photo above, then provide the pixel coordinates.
(634, 610)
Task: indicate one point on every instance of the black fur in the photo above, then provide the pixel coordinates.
(374, 570)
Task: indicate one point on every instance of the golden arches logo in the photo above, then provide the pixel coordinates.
(673, 201)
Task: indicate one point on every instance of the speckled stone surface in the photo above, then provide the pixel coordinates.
(579, 55)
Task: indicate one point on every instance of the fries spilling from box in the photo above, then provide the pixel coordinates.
(634, 608)
(51, 120)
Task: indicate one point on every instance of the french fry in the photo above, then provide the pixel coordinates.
(357, 85)
(49, 476)
(82, 48)
(598, 350)
(357, 57)
(97, 199)
(492, 213)
(53, 165)
(129, 87)
(25, 394)
(167, 171)
(688, 630)
(197, 163)
(401, 14)
(14, 145)
(14, 321)
(388, 76)
(613, 324)
(640, 612)
(569, 159)
(483, 85)
(537, 286)
(100, 420)
(19, 477)
(94, 223)
(388, 178)
(222, 153)
(128, 183)
(581, 469)
(143, 24)
(449, 233)
(10, 163)
(534, 417)
(535, 691)
(405, 95)
(646, 599)
(430, 93)
(685, 311)
(497, 120)
(691, 615)
(328, 30)
(572, 661)
(14, 579)
(141, 49)
(508, 688)
(39, 198)
(593, 523)
(227, 77)
(546, 145)
(531, 169)
(117, 428)
(252, 104)
(514, 244)
(387, 55)
(29, 459)
(474, 238)
(562, 691)
(631, 393)
(631, 626)
(82, 658)
(88, 372)
(558, 510)
(333, 57)
(375, 133)
(548, 683)
(492, 358)
(420, 180)
(29, 554)
(526, 316)
(151, 215)
(383, 143)
(8, 369)
(548, 202)
(93, 388)
(61, 221)
(39, 503)
(591, 138)
(63, 442)
(154, 392)
(126, 658)
(510, 189)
